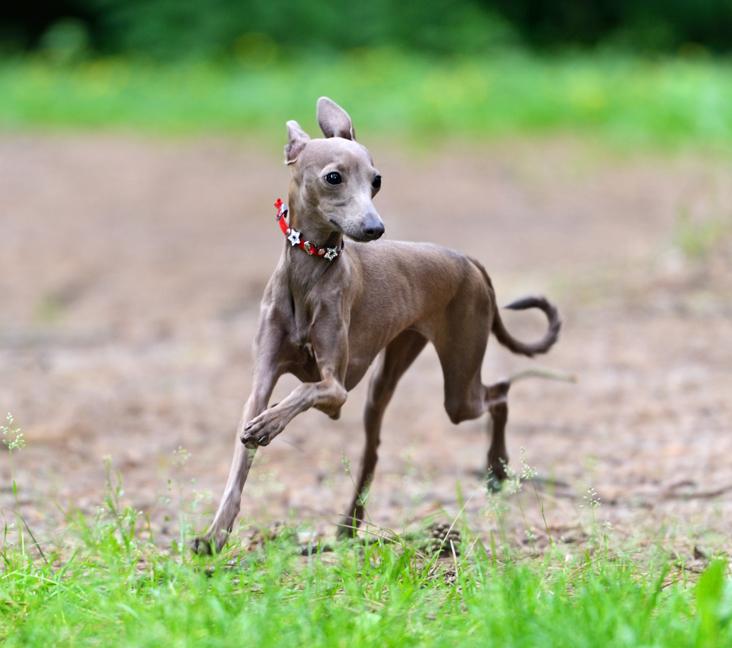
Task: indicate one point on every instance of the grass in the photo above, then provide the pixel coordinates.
(109, 583)
(117, 590)
(631, 101)
(104, 580)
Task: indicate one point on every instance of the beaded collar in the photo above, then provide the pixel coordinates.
(293, 236)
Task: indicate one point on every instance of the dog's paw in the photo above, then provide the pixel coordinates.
(493, 484)
(209, 544)
(261, 430)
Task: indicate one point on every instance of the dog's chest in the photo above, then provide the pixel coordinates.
(300, 331)
(299, 337)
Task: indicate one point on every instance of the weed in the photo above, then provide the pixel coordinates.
(698, 238)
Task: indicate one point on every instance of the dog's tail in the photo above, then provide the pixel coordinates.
(517, 346)
(510, 342)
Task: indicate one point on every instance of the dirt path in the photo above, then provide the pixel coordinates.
(130, 273)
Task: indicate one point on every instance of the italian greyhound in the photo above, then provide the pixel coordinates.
(330, 309)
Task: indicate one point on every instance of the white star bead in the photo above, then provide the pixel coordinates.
(293, 236)
(331, 254)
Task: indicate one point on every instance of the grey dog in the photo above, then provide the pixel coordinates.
(329, 310)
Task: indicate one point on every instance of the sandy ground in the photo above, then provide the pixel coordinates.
(130, 275)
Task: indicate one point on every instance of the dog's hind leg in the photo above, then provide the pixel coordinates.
(391, 365)
(460, 341)
(496, 396)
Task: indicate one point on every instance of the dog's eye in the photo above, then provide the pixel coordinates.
(376, 182)
(333, 178)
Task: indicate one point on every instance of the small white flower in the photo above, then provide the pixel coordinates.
(12, 436)
(331, 253)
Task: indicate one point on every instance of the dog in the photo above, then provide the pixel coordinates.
(340, 299)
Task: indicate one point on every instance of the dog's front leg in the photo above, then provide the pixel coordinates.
(329, 338)
(230, 504)
(266, 373)
(327, 394)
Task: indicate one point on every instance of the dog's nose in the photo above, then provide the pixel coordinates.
(373, 228)
(372, 233)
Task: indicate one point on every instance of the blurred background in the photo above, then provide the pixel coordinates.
(633, 71)
(578, 149)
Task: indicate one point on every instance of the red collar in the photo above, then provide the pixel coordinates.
(293, 236)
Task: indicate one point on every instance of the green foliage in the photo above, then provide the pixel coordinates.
(182, 29)
(648, 26)
(66, 41)
(627, 100)
(174, 29)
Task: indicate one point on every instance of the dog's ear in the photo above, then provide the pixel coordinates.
(296, 140)
(333, 120)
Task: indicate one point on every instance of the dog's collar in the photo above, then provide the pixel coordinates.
(293, 236)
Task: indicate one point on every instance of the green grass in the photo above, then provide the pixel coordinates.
(104, 580)
(117, 588)
(627, 100)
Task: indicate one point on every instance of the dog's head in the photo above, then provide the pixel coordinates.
(334, 178)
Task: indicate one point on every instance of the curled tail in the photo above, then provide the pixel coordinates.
(510, 342)
(517, 346)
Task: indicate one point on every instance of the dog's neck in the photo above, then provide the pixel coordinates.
(304, 270)
(311, 227)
